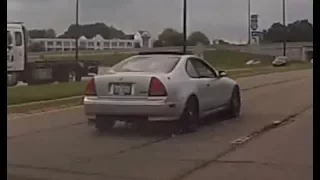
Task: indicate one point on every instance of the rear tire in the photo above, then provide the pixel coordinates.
(189, 119)
(234, 105)
(103, 124)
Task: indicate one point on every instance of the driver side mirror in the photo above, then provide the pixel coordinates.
(222, 74)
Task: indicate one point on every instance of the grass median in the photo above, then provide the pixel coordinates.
(24, 99)
(219, 58)
(76, 90)
(105, 59)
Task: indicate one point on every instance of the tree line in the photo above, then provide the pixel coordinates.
(298, 31)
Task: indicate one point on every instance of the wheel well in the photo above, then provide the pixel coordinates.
(194, 98)
(236, 87)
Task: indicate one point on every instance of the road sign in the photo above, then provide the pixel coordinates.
(256, 33)
(256, 36)
(254, 26)
(254, 22)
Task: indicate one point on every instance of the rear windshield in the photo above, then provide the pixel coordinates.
(155, 63)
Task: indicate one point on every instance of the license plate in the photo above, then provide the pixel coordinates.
(122, 89)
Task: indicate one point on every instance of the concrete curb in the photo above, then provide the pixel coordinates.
(43, 102)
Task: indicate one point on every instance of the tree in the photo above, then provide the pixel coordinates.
(171, 37)
(298, 31)
(198, 37)
(91, 30)
(220, 41)
(41, 33)
(158, 43)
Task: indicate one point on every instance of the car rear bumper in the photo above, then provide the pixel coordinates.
(151, 109)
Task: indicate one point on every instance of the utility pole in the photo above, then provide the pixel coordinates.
(184, 26)
(284, 27)
(249, 22)
(77, 29)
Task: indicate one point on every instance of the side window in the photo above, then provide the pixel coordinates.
(18, 38)
(190, 70)
(9, 38)
(203, 70)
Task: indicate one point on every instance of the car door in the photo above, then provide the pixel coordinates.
(201, 85)
(10, 49)
(18, 51)
(214, 94)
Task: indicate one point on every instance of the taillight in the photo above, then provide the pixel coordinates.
(157, 88)
(91, 88)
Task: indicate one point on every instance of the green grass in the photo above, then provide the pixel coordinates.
(45, 105)
(105, 59)
(32, 94)
(267, 69)
(26, 94)
(224, 59)
(220, 58)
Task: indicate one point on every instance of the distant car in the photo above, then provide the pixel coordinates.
(159, 86)
(280, 61)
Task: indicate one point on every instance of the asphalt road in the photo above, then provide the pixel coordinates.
(60, 145)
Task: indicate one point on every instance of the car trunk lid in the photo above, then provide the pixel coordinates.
(129, 85)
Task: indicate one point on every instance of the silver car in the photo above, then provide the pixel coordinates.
(280, 61)
(157, 86)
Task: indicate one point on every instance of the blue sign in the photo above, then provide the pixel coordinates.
(256, 33)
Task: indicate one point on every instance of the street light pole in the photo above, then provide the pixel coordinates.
(77, 28)
(249, 21)
(184, 26)
(284, 27)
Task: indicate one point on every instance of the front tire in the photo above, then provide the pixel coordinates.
(102, 124)
(189, 119)
(234, 105)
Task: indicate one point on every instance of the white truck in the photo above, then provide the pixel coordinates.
(40, 71)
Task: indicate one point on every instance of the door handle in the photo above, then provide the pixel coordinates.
(208, 85)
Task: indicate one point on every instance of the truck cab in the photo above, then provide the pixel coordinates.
(16, 51)
(40, 71)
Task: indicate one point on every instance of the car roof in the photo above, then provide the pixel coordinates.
(164, 53)
(167, 53)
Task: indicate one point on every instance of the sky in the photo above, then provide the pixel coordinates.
(226, 19)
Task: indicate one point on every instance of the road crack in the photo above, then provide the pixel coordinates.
(58, 170)
(247, 139)
(269, 164)
(79, 123)
(45, 130)
(272, 84)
